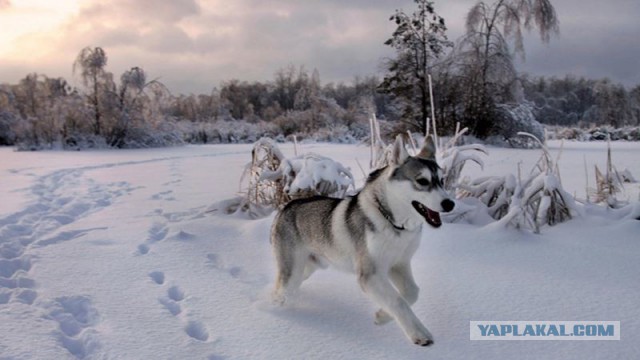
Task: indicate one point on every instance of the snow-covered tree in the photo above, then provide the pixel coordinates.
(487, 62)
(418, 40)
(126, 105)
(91, 63)
(42, 106)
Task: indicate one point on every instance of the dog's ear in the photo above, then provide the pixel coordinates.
(428, 150)
(399, 154)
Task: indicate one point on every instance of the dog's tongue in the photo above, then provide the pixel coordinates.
(432, 217)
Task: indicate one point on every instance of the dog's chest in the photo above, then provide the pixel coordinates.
(392, 247)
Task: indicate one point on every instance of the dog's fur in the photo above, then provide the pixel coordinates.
(373, 234)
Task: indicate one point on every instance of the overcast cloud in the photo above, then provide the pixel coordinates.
(193, 45)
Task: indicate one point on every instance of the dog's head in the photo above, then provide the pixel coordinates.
(419, 181)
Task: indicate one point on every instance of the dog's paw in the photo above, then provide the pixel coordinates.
(382, 317)
(278, 298)
(421, 337)
(423, 341)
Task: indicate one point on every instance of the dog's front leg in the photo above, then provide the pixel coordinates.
(378, 287)
(402, 278)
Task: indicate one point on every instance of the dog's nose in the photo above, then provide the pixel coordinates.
(447, 205)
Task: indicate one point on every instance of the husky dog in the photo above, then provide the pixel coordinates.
(373, 234)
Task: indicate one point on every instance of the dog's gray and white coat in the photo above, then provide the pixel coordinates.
(373, 234)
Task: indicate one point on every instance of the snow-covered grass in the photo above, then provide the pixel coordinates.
(122, 255)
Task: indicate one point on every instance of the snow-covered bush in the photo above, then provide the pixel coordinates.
(274, 180)
(540, 199)
(495, 192)
(515, 118)
(627, 177)
(380, 152)
(311, 174)
(452, 158)
(609, 184)
(7, 123)
(261, 197)
(147, 135)
(225, 131)
(81, 141)
(530, 202)
(244, 132)
(545, 202)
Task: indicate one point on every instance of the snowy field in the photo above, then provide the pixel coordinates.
(116, 255)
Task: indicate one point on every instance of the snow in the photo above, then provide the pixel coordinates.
(120, 255)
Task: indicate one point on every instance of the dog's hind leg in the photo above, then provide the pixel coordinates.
(290, 272)
(312, 264)
(283, 275)
(402, 278)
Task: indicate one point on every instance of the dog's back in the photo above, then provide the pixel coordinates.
(310, 217)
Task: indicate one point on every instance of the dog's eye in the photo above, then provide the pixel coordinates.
(422, 181)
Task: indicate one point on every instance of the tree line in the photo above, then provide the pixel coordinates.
(577, 101)
(41, 112)
(474, 82)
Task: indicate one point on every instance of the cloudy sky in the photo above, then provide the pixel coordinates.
(193, 45)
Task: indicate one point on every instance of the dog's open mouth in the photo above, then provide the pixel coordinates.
(432, 217)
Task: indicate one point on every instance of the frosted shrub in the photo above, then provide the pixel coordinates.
(540, 199)
(452, 158)
(609, 184)
(311, 174)
(7, 123)
(494, 191)
(545, 202)
(274, 180)
(380, 152)
(627, 177)
(225, 132)
(516, 118)
(266, 157)
(148, 135)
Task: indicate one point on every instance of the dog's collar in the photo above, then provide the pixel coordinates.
(387, 215)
